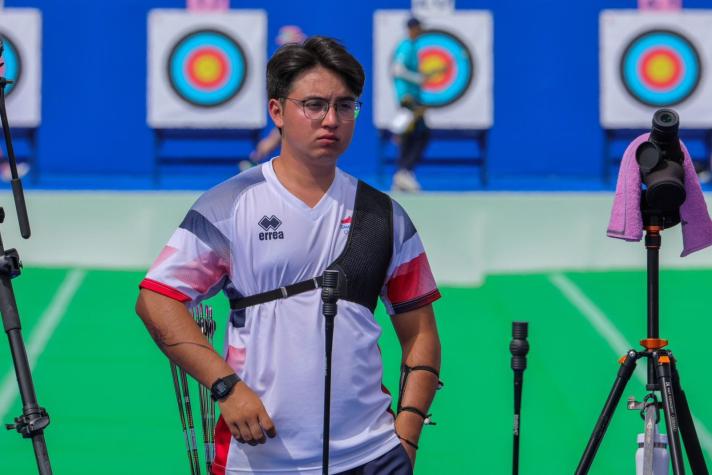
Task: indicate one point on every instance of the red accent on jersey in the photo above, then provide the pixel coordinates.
(411, 281)
(416, 303)
(222, 445)
(236, 357)
(163, 289)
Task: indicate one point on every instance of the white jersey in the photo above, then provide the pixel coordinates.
(250, 235)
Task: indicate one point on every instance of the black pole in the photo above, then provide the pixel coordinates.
(34, 419)
(687, 426)
(653, 240)
(329, 295)
(17, 192)
(519, 347)
(661, 360)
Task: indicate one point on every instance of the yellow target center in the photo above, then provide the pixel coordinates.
(434, 68)
(660, 68)
(207, 68)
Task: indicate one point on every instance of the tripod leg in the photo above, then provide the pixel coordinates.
(687, 426)
(664, 377)
(624, 374)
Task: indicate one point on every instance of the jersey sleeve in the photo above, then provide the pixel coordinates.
(195, 263)
(410, 283)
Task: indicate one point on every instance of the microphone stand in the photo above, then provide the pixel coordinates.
(519, 347)
(34, 419)
(329, 295)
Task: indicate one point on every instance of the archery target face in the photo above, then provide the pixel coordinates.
(21, 32)
(660, 68)
(12, 68)
(650, 60)
(447, 63)
(455, 52)
(207, 68)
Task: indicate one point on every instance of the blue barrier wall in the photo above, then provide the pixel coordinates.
(546, 81)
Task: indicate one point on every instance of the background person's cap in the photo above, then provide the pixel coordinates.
(413, 22)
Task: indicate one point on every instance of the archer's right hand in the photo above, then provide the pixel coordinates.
(246, 416)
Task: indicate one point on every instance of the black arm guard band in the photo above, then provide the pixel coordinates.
(405, 372)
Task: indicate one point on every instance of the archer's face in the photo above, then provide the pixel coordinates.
(319, 141)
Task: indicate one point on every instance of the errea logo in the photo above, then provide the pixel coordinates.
(270, 225)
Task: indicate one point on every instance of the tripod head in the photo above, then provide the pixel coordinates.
(660, 160)
(519, 346)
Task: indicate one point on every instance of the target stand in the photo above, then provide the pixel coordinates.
(461, 148)
(187, 149)
(615, 141)
(25, 148)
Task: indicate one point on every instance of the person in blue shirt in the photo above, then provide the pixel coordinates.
(408, 83)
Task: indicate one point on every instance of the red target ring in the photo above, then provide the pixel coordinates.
(208, 68)
(440, 65)
(661, 68)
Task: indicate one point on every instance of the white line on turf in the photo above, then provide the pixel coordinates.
(43, 331)
(613, 337)
(593, 314)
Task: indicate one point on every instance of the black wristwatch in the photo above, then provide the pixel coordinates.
(223, 387)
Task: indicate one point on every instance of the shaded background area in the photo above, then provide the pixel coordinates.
(546, 132)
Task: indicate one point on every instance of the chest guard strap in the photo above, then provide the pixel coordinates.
(363, 263)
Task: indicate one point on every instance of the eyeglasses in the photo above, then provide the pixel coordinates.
(316, 109)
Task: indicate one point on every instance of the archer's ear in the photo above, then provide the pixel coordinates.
(274, 106)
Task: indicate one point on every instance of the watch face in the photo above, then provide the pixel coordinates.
(222, 387)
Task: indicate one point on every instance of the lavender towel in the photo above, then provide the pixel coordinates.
(626, 219)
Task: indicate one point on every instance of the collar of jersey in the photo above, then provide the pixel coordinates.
(321, 207)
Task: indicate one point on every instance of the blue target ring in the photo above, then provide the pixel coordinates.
(12, 71)
(449, 65)
(207, 68)
(660, 68)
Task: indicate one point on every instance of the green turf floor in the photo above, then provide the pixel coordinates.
(110, 396)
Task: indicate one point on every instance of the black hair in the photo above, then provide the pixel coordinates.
(292, 59)
(413, 22)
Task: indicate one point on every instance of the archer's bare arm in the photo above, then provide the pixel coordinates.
(173, 329)
(420, 343)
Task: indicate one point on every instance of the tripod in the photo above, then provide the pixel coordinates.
(662, 377)
(34, 419)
